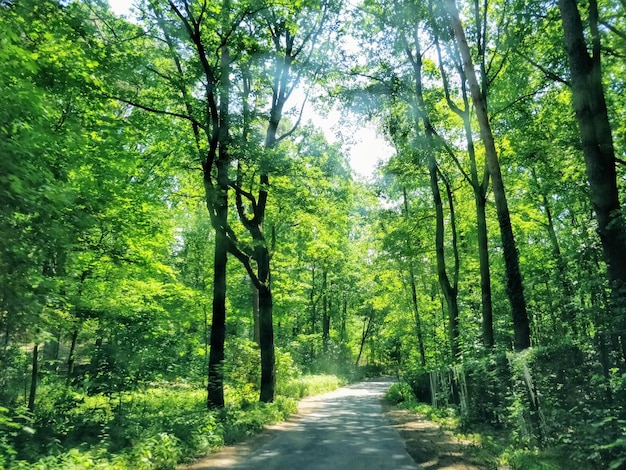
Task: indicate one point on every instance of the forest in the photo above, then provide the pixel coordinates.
(183, 255)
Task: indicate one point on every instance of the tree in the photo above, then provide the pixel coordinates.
(478, 183)
(597, 142)
(515, 288)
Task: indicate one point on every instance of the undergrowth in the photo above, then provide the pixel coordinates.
(492, 448)
(155, 428)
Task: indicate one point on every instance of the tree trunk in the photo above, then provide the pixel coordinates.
(94, 364)
(366, 331)
(255, 315)
(33, 379)
(485, 271)
(215, 387)
(325, 314)
(418, 320)
(449, 291)
(514, 284)
(344, 318)
(217, 204)
(479, 186)
(71, 356)
(414, 303)
(266, 327)
(479, 189)
(597, 141)
(564, 305)
(313, 302)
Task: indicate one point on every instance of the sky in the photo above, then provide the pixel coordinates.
(368, 147)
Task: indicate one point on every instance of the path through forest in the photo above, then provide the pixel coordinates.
(345, 429)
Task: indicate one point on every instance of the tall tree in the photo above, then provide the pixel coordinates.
(597, 142)
(479, 183)
(514, 283)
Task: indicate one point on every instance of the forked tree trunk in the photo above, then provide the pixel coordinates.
(479, 186)
(449, 290)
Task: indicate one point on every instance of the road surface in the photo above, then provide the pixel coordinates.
(341, 430)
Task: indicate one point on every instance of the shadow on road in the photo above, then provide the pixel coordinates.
(346, 430)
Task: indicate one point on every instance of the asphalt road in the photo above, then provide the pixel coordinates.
(346, 430)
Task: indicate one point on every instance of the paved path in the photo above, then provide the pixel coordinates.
(345, 430)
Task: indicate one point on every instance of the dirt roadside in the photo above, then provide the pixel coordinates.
(428, 444)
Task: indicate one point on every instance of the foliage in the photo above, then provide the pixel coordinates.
(303, 386)
(156, 428)
(400, 392)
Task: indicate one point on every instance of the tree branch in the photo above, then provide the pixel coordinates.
(297, 124)
(546, 72)
(156, 111)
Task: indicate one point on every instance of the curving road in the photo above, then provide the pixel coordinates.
(346, 429)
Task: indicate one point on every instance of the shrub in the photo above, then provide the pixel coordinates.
(400, 392)
(307, 385)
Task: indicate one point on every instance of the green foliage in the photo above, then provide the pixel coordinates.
(151, 429)
(300, 387)
(242, 423)
(159, 451)
(10, 430)
(401, 393)
(548, 409)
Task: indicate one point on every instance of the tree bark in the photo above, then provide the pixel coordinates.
(217, 204)
(71, 356)
(344, 318)
(266, 328)
(598, 150)
(215, 386)
(479, 186)
(418, 320)
(485, 271)
(33, 379)
(256, 335)
(450, 291)
(367, 324)
(514, 284)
